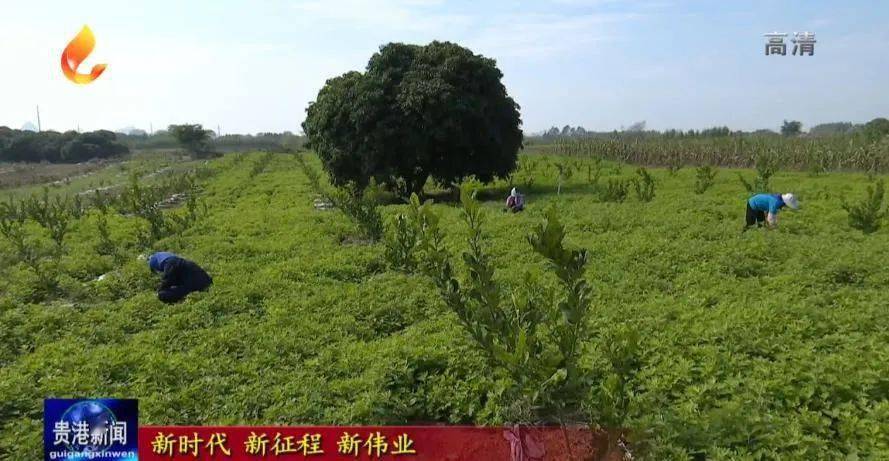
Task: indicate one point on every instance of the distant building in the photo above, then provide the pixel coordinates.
(28, 126)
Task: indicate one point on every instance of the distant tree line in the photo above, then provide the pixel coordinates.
(73, 147)
(270, 141)
(833, 129)
(567, 131)
(870, 131)
(637, 128)
(193, 141)
(52, 146)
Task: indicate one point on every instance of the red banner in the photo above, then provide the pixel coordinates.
(369, 443)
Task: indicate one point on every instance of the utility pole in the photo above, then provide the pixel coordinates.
(38, 118)
(150, 129)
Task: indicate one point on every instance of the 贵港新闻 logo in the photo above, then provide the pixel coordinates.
(92, 429)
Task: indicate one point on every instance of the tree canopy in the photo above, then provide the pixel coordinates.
(876, 129)
(791, 128)
(194, 138)
(437, 110)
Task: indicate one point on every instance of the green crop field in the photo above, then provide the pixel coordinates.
(758, 345)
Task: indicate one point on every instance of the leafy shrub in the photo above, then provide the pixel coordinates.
(144, 202)
(526, 168)
(362, 207)
(754, 187)
(594, 171)
(76, 206)
(176, 223)
(58, 224)
(400, 244)
(818, 162)
(564, 170)
(45, 267)
(408, 235)
(261, 164)
(614, 191)
(766, 167)
(611, 399)
(704, 178)
(53, 214)
(12, 220)
(311, 173)
(105, 246)
(644, 185)
(29, 251)
(674, 163)
(568, 317)
(867, 214)
(102, 200)
(535, 344)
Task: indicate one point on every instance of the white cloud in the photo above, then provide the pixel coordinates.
(403, 15)
(537, 31)
(539, 35)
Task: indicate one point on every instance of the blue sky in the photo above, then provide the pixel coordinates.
(251, 66)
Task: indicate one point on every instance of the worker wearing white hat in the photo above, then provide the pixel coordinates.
(515, 202)
(763, 208)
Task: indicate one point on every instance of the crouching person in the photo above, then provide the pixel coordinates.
(180, 276)
(515, 202)
(763, 208)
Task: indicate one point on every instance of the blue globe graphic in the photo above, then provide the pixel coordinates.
(98, 418)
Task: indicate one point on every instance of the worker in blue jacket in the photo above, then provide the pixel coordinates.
(180, 276)
(763, 209)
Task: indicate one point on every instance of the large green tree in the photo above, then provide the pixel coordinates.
(194, 138)
(875, 129)
(437, 110)
(791, 128)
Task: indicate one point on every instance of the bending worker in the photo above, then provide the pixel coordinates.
(180, 276)
(515, 202)
(763, 208)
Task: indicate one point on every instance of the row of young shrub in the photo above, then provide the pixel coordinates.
(865, 215)
(531, 337)
(25, 223)
(360, 205)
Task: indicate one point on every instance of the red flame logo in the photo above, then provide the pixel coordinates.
(76, 52)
